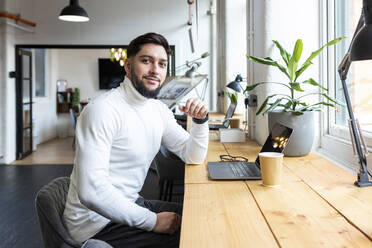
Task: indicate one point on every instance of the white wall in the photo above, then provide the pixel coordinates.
(112, 22)
(79, 67)
(285, 21)
(7, 97)
(236, 45)
(44, 108)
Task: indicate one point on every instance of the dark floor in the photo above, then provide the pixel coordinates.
(18, 187)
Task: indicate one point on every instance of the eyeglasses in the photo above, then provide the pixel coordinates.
(227, 157)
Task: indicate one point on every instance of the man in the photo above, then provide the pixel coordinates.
(117, 136)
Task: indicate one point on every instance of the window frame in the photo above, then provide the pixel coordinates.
(36, 64)
(335, 142)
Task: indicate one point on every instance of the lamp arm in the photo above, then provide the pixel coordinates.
(343, 69)
(190, 63)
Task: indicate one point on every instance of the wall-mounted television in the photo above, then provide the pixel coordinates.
(111, 74)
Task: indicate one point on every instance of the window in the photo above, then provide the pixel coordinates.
(39, 72)
(342, 18)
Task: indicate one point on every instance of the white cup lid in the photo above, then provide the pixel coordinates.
(271, 154)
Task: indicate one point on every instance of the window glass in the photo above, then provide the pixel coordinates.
(39, 72)
(359, 78)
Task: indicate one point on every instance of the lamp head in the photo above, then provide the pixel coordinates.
(190, 73)
(204, 55)
(235, 85)
(74, 13)
(361, 48)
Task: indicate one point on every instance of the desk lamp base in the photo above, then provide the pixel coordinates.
(363, 180)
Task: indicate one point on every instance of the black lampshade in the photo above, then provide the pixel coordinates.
(74, 13)
(361, 48)
(235, 85)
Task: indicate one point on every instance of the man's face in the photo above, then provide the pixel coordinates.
(147, 69)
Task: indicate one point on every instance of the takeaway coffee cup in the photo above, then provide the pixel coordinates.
(271, 168)
(234, 123)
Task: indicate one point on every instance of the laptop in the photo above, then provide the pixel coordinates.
(225, 124)
(227, 170)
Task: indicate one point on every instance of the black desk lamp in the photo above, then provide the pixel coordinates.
(236, 86)
(360, 49)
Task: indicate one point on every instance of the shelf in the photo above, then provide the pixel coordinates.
(64, 101)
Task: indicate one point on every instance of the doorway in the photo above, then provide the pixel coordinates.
(24, 103)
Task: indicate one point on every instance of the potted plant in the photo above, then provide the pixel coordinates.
(76, 100)
(233, 96)
(291, 108)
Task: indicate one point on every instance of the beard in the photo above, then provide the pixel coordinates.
(141, 88)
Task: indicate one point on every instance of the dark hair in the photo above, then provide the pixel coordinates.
(152, 38)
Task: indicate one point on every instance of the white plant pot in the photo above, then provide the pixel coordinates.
(302, 137)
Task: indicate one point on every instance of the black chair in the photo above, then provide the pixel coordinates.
(169, 168)
(50, 204)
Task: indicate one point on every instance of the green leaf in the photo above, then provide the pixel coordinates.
(273, 106)
(265, 103)
(309, 107)
(269, 61)
(288, 105)
(285, 55)
(316, 109)
(296, 86)
(326, 104)
(308, 62)
(293, 62)
(314, 83)
(263, 106)
(332, 100)
(297, 51)
(251, 87)
(264, 61)
(232, 96)
(334, 41)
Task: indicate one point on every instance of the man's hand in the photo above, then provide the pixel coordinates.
(167, 222)
(195, 108)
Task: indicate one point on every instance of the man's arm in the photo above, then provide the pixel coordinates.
(191, 148)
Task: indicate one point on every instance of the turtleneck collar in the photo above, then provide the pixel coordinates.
(131, 94)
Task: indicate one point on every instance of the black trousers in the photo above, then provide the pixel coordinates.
(120, 235)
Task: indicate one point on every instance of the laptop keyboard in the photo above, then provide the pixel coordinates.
(242, 169)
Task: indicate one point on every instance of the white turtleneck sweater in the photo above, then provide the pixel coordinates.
(117, 136)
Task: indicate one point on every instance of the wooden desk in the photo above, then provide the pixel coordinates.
(316, 205)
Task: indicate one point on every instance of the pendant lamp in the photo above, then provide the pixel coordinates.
(74, 13)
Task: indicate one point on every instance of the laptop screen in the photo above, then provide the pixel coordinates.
(229, 113)
(277, 140)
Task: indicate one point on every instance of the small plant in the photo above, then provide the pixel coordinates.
(76, 98)
(290, 102)
(232, 96)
